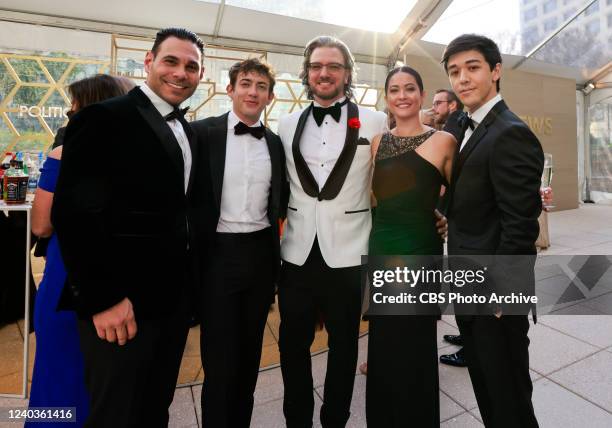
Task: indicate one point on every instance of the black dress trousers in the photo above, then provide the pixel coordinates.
(308, 294)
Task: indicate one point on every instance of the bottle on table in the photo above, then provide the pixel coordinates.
(15, 181)
(33, 175)
(4, 166)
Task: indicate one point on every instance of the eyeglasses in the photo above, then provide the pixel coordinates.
(333, 67)
(437, 103)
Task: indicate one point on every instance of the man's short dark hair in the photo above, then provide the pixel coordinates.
(468, 42)
(256, 66)
(451, 97)
(179, 33)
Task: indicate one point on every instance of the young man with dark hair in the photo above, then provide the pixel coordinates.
(487, 48)
(240, 198)
(493, 210)
(253, 65)
(128, 250)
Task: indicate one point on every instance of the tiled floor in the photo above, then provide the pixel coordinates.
(571, 357)
(11, 345)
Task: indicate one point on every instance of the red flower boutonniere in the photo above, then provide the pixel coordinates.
(354, 123)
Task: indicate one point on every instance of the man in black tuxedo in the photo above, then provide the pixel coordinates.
(494, 208)
(122, 212)
(241, 188)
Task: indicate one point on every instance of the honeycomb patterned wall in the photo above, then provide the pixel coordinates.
(33, 97)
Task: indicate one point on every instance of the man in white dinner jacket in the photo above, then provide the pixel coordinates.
(329, 163)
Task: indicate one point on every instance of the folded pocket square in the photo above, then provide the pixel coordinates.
(363, 142)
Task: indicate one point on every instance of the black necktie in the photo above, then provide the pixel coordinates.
(465, 121)
(177, 113)
(256, 131)
(334, 111)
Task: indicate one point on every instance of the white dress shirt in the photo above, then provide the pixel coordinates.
(177, 129)
(478, 116)
(246, 182)
(321, 145)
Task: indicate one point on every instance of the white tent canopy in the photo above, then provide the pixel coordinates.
(251, 24)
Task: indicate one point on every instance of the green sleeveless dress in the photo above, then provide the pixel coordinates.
(406, 187)
(402, 383)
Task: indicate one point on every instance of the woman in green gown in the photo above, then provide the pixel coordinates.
(411, 163)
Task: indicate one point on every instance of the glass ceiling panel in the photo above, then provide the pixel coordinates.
(504, 21)
(383, 16)
(586, 43)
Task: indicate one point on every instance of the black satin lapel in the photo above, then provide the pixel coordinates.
(470, 145)
(479, 133)
(164, 133)
(275, 162)
(455, 167)
(217, 142)
(307, 180)
(454, 174)
(343, 164)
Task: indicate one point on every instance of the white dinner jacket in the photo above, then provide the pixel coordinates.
(339, 213)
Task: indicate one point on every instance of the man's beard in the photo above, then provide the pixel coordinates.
(328, 96)
(442, 119)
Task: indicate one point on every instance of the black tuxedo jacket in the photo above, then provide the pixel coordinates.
(212, 141)
(494, 193)
(494, 206)
(120, 210)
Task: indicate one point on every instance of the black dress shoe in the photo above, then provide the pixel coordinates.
(454, 340)
(457, 359)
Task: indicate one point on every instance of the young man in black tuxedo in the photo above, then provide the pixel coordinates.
(123, 215)
(448, 110)
(493, 210)
(241, 182)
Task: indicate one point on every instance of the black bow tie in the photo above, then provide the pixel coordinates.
(256, 131)
(177, 113)
(465, 121)
(334, 111)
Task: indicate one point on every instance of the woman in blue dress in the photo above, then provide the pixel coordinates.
(58, 378)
